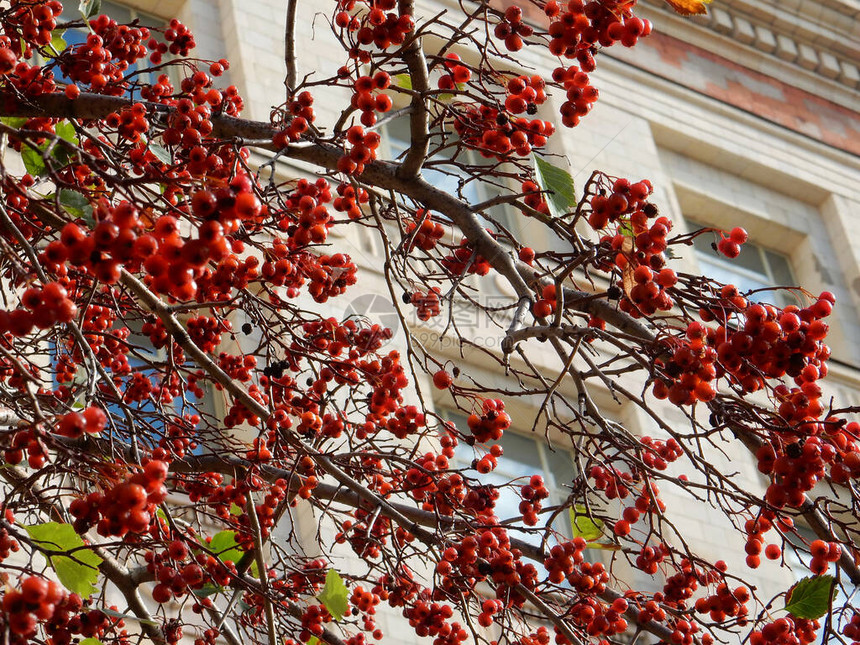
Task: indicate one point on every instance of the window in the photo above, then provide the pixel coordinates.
(120, 13)
(452, 180)
(144, 398)
(755, 268)
(524, 456)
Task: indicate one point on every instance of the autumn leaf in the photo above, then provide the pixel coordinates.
(689, 7)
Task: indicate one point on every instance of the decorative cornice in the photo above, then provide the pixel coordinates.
(818, 39)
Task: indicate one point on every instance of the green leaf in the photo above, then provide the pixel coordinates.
(404, 81)
(75, 203)
(225, 546)
(207, 590)
(334, 595)
(557, 185)
(14, 121)
(599, 546)
(33, 161)
(65, 130)
(625, 227)
(90, 641)
(58, 44)
(118, 614)
(313, 641)
(811, 597)
(583, 526)
(161, 153)
(90, 8)
(235, 509)
(78, 571)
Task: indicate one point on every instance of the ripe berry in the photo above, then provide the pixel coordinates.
(442, 379)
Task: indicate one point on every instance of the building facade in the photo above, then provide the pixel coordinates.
(749, 116)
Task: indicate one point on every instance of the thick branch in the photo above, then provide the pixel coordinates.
(419, 118)
(290, 47)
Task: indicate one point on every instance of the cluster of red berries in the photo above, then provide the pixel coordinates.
(613, 482)
(532, 494)
(174, 578)
(495, 134)
(614, 199)
(24, 609)
(368, 96)
(33, 21)
(307, 219)
(28, 440)
(387, 378)
(724, 603)
(795, 468)
(583, 25)
(491, 423)
(563, 558)
(187, 126)
(380, 26)
(8, 545)
(130, 123)
(180, 38)
(455, 73)
(484, 465)
(125, 507)
(730, 245)
(75, 424)
(525, 93)
(682, 585)
(545, 305)
(349, 201)
(511, 29)
(329, 275)
(406, 421)
(580, 94)
(785, 631)
(649, 558)
(41, 307)
(239, 367)
(205, 331)
(648, 293)
(420, 480)
(302, 115)
(598, 620)
(464, 259)
(362, 151)
(101, 60)
(660, 454)
(424, 231)
(427, 304)
(770, 343)
(852, 628)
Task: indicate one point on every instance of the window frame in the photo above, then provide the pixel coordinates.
(716, 260)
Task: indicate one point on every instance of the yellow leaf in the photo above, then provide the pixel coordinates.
(689, 7)
(627, 281)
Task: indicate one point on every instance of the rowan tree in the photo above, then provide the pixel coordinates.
(150, 265)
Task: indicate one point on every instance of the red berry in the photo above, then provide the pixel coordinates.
(442, 379)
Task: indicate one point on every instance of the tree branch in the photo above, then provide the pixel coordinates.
(419, 117)
(290, 48)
